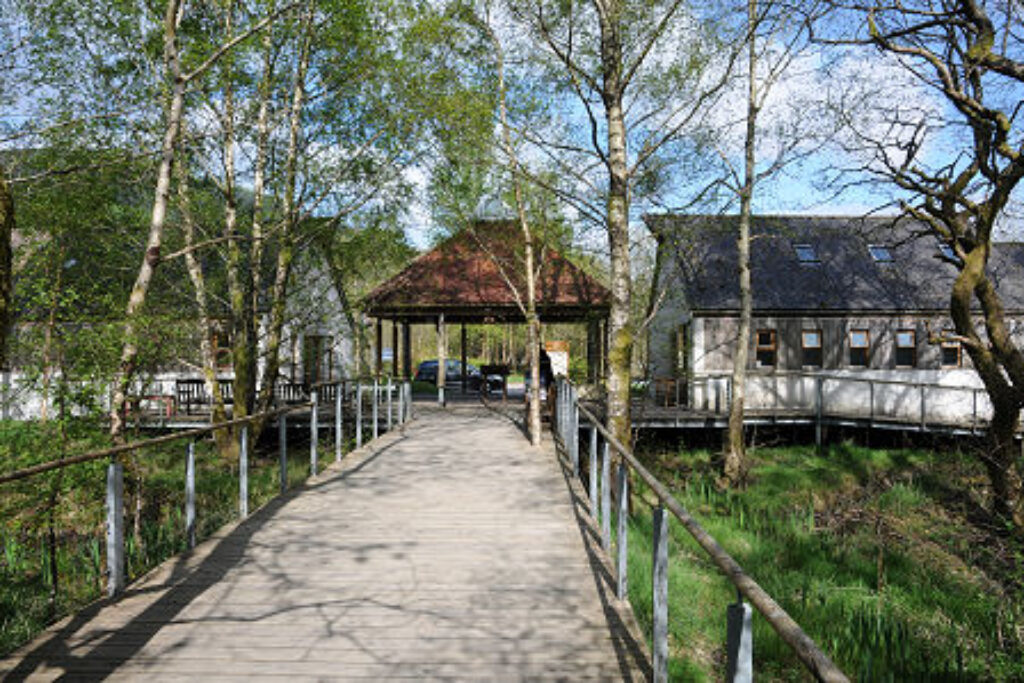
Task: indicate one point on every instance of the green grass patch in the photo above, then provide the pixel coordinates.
(860, 546)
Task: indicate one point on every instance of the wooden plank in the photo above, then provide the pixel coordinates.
(448, 548)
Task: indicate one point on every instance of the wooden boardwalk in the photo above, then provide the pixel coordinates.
(447, 550)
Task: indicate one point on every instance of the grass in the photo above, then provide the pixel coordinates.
(27, 601)
(862, 547)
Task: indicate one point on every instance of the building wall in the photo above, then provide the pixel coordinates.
(882, 390)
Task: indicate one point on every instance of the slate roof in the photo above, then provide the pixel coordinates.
(467, 278)
(699, 253)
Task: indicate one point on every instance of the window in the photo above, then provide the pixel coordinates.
(952, 353)
(906, 349)
(805, 253)
(947, 251)
(810, 343)
(880, 253)
(317, 359)
(860, 348)
(766, 349)
(681, 344)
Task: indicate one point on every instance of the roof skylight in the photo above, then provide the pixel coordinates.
(805, 253)
(880, 253)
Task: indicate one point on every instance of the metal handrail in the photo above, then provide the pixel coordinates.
(115, 473)
(114, 451)
(817, 662)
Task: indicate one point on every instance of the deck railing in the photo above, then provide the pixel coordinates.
(365, 391)
(833, 396)
(739, 667)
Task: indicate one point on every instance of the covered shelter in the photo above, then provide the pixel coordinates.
(477, 277)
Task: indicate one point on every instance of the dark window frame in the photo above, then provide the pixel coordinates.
(880, 253)
(812, 356)
(901, 350)
(951, 345)
(769, 350)
(864, 349)
(806, 254)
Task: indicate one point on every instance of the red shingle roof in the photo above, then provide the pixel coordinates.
(474, 276)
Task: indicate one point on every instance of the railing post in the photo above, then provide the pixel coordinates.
(559, 405)
(606, 498)
(574, 432)
(659, 594)
(376, 401)
(592, 472)
(115, 528)
(401, 403)
(359, 414)
(871, 402)
(243, 472)
(282, 444)
(739, 647)
(621, 585)
(190, 495)
(389, 402)
(923, 410)
(313, 434)
(974, 415)
(338, 397)
(819, 381)
(407, 388)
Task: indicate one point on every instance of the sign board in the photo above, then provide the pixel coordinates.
(558, 352)
(387, 355)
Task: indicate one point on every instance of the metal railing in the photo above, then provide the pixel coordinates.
(831, 396)
(378, 394)
(567, 427)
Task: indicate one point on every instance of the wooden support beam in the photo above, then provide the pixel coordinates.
(406, 351)
(394, 348)
(378, 351)
(442, 360)
(462, 373)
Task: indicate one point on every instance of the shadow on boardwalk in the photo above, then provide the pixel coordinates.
(449, 549)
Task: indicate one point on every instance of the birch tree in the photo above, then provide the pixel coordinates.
(641, 74)
(774, 37)
(179, 80)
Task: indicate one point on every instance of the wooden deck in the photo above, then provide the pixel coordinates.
(447, 550)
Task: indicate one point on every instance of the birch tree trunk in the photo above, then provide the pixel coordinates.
(258, 188)
(7, 225)
(222, 438)
(734, 463)
(532, 319)
(242, 360)
(286, 253)
(130, 348)
(620, 330)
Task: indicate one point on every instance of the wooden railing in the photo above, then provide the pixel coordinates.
(378, 394)
(739, 667)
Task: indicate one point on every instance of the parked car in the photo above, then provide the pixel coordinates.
(427, 372)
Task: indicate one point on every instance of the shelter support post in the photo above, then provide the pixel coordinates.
(406, 351)
(442, 360)
(394, 348)
(462, 349)
(378, 352)
(593, 350)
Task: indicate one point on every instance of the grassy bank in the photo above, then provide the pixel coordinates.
(71, 503)
(884, 557)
